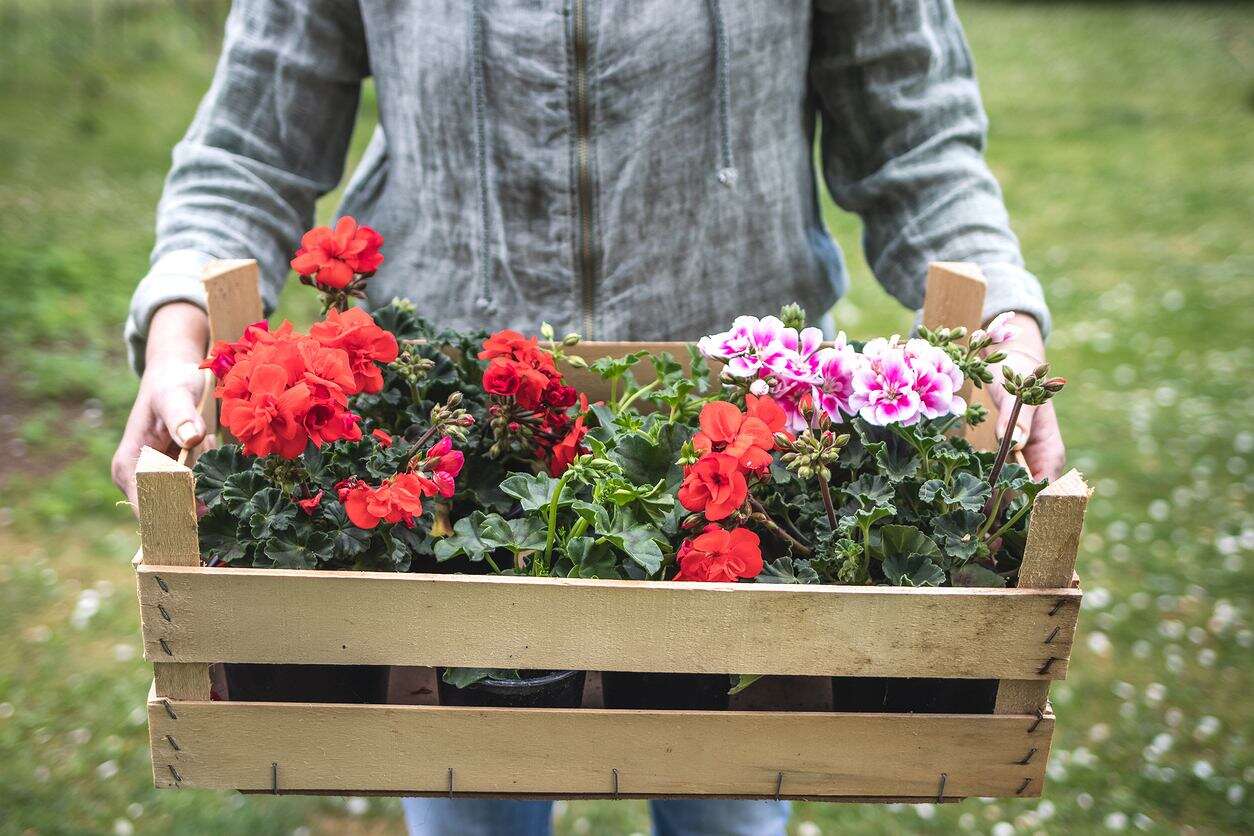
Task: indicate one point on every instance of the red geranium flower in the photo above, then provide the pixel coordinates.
(385, 440)
(441, 466)
(310, 504)
(571, 445)
(714, 485)
(224, 354)
(747, 437)
(366, 344)
(399, 499)
(333, 257)
(720, 555)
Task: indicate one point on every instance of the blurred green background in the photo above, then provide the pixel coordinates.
(1123, 134)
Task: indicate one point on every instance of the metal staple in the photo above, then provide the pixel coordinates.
(165, 645)
(1023, 786)
(1028, 757)
(779, 784)
(178, 779)
(173, 743)
(1057, 606)
(615, 771)
(1040, 717)
(1053, 635)
(164, 612)
(165, 587)
(169, 709)
(940, 791)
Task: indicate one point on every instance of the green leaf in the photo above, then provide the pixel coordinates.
(464, 540)
(956, 533)
(973, 574)
(968, 492)
(220, 538)
(347, 540)
(645, 460)
(597, 515)
(788, 570)
(465, 677)
(929, 489)
(741, 681)
(612, 368)
(270, 513)
(239, 489)
(535, 491)
(869, 489)
(214, 467)
(912, 570)
(592, 559)
(303, 549)
(641, 543)
(889, 541)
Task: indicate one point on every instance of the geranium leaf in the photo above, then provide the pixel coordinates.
(465, 677)
(270, 513)
(973, 574)
(956, 533)
(534, 491)
(645, 460)
(912, 570)
(890, 541)
(221, 539)
(788, 570)
(214, 467)
(968, 492)
(592, 559)
(869, 489)
(465, 540)
(239, 489)
(347, 540)
(741, 681)
(929, 489)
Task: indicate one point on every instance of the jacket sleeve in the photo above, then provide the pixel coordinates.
(269, 138)
(903, 133)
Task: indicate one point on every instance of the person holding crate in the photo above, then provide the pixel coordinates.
(629, 171)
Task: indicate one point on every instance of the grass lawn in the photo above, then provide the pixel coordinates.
(1122, 135)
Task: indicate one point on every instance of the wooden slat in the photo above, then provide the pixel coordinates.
(233, 297)
(339, 617)
(955, 298)
(167, 530)
(410, 749)
(1048, 561)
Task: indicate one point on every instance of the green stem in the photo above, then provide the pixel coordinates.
(553, 505)
(761, 516)
(1003, 452)
(1018, 515)
(614, 392)
(627, 401)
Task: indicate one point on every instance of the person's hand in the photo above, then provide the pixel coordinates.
(166, 413)
(1036, 432)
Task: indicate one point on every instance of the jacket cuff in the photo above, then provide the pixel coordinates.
(1011, 288)
(175, 277)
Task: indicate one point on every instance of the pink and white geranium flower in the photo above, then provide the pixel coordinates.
(938, 380)
(780, 358)
(833, 392)
(883, 390)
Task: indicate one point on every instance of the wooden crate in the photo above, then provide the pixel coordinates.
(193, 617)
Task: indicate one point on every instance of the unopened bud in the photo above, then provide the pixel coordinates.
(783, 441)
(1055, 384)
(1041, 370)
(577, 361)
(793, 316)
(570, 340)
(546, 330)
(454, 399)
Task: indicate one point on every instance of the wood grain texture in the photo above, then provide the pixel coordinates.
(410, 749)
(233, 297)
(955, 298)
(269, 615)
(167, 531)
(1048, 560)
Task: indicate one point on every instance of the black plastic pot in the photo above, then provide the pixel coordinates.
(536, 689)
(665, 691)
(307, 683)
(914, 695)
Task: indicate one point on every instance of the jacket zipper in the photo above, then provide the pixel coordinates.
(583, 140)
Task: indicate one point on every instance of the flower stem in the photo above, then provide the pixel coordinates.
(1014, 519)
(552, 534)
(1003, 452)
(827, 502)
(776, 529)
(785, 531)
(627, 401)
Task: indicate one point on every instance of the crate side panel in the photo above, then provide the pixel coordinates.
(402, 749)
(274, 616)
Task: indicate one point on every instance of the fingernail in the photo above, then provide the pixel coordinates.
(1018, 438)
(186, 432)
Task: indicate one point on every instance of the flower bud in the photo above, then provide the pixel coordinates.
(576, 361)
(546, 330)
(1041, 371)
(454, 399)
(570, 340)
(793, 316)
(1055, 384)
(759, 387)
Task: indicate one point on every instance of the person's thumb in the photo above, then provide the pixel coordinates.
(176, 408)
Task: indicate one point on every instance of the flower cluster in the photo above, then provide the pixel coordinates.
(399, 498)
(531, 408)
(735, 447)
(335, 259)
(720, 555)
(281, 390)
(887, 382)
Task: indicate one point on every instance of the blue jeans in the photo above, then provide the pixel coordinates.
(672, 817)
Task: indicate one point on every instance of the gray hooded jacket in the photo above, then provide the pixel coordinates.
(628, 169)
